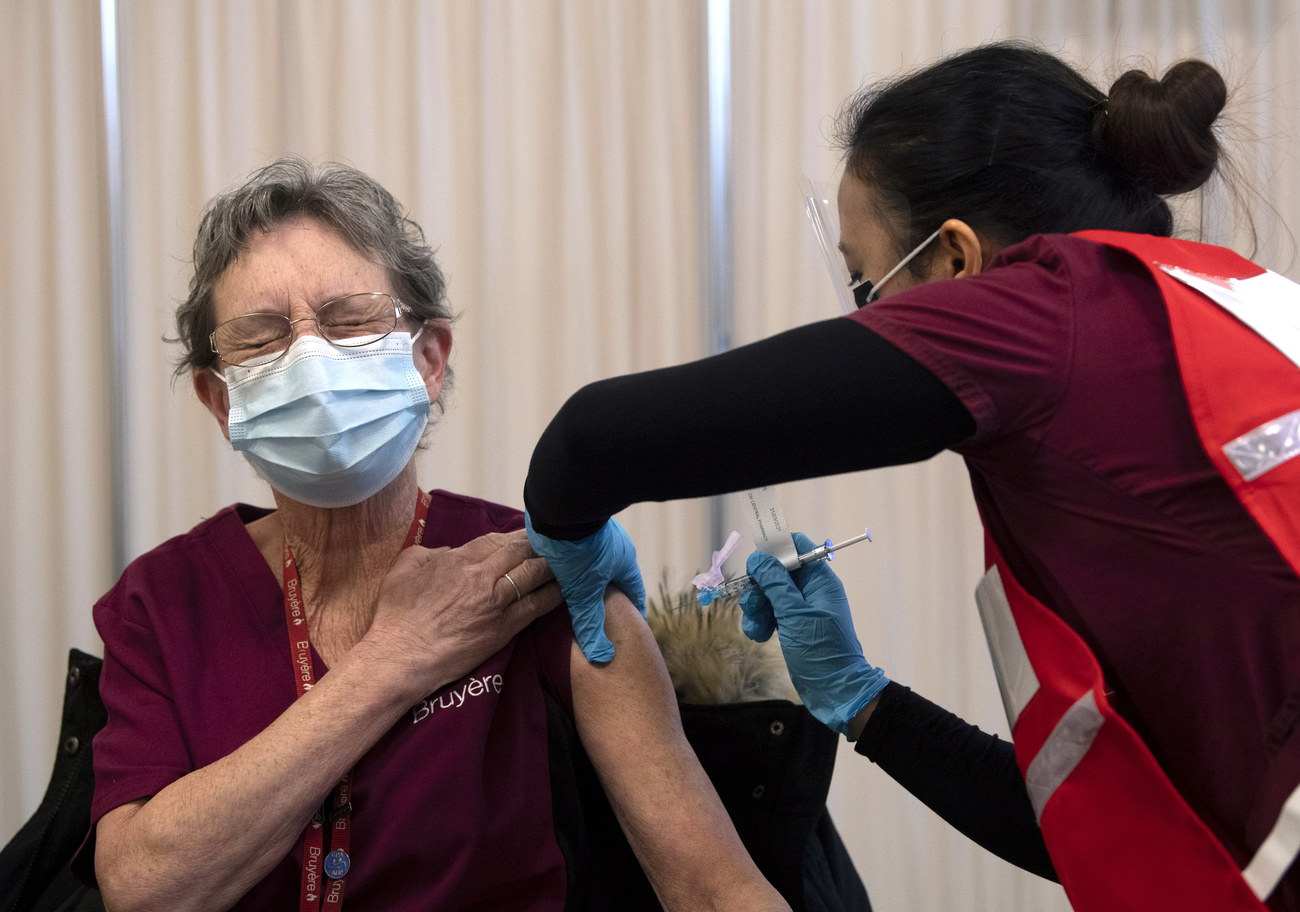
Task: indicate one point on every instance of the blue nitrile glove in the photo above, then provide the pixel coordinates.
(583, 569)
(810, 613)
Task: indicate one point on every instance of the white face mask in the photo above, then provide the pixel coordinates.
(330, 426)
(864, 292)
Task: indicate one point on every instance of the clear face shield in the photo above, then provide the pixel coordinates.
(824, 215)
(821, 206)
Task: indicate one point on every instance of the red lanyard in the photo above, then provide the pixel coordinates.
(322, 877)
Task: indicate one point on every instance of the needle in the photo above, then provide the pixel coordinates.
(739, 584)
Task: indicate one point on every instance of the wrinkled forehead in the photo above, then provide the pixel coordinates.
(297, 264)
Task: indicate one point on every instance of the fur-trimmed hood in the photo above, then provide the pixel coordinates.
(709, 658)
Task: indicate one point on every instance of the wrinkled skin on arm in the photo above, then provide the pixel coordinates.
(627, 717)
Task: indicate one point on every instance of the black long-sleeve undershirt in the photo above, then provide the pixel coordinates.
(967, 776)
(823, 399)
(819, 400)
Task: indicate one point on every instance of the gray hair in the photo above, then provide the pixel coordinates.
(340, 197)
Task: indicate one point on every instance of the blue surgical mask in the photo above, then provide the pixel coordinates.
(330, 426)
(864, 292)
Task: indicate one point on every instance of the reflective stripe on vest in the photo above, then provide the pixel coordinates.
(1074, 734)
(1278, 851)
(1063, 750)
(1236, 334)
(1017, 683)
(1120, 836)
(1016, 679)
(1270, 305)
(1262, 449)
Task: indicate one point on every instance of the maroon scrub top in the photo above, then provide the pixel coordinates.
(452, 806)
(1091, 479)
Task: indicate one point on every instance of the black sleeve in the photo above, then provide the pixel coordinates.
(966, 776)
(819, 400)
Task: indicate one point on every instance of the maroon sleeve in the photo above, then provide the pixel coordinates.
(1001, 341)
(140, 750)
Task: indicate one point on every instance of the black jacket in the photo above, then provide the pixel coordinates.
(34, 874)
(771, 764)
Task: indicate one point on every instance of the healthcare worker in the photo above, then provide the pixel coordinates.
(1127, 411)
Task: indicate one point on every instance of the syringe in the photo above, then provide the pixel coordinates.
(740, 584)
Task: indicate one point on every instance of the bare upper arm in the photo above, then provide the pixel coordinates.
(633, 691)
(626, 714)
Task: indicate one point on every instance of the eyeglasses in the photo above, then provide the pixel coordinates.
(348, 322)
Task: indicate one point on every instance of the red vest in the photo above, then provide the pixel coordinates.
(1120, 835)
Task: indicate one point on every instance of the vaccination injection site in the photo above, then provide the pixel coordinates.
(636, 455)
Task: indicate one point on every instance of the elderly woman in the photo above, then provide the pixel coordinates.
(342, 699)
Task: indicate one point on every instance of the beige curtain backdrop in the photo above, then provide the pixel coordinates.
(55, 483)
(555, 153)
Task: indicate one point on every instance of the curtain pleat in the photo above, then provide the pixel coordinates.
(55, 477)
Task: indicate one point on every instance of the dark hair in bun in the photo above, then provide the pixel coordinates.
(1015, 142)
(1161, 131)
